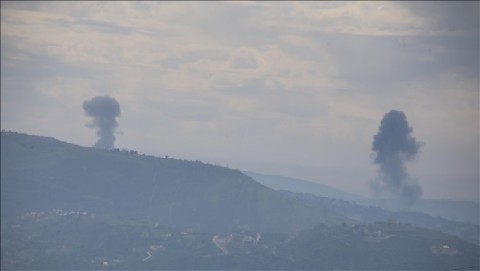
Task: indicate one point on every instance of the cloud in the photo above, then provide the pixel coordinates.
(294, 82)
(355, 18)
(244, 58)
(459, 18)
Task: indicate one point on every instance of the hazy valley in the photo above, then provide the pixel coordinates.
(71, 207)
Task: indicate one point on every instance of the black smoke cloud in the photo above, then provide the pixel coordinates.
(104, 110)
(392, 147)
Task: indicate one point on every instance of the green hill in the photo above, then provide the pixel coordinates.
(70, 207)
(367, 214)
(64, 240)
(39, 173)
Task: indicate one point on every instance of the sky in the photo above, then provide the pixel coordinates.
(287, 88)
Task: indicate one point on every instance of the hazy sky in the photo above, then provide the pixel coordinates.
(289, 88)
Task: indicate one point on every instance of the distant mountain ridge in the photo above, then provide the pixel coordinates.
(462, 211)
(39, 173)
(65, 206)
(368, 214)
(278, 182)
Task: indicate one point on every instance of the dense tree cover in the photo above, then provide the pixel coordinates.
(467, 231)
(76, 240)
(69, 207)
(39, 173)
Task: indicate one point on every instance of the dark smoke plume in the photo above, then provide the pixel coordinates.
(393, 146)
(104, 110)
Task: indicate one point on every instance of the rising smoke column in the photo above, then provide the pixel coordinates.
(104, 110)
(392, 147)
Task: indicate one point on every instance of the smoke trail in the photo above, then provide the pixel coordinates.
(393, 146)
(104, 111)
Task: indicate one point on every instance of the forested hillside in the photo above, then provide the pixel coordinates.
(467, 231)
(71, 207)
(62, 240)
(39, 173)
